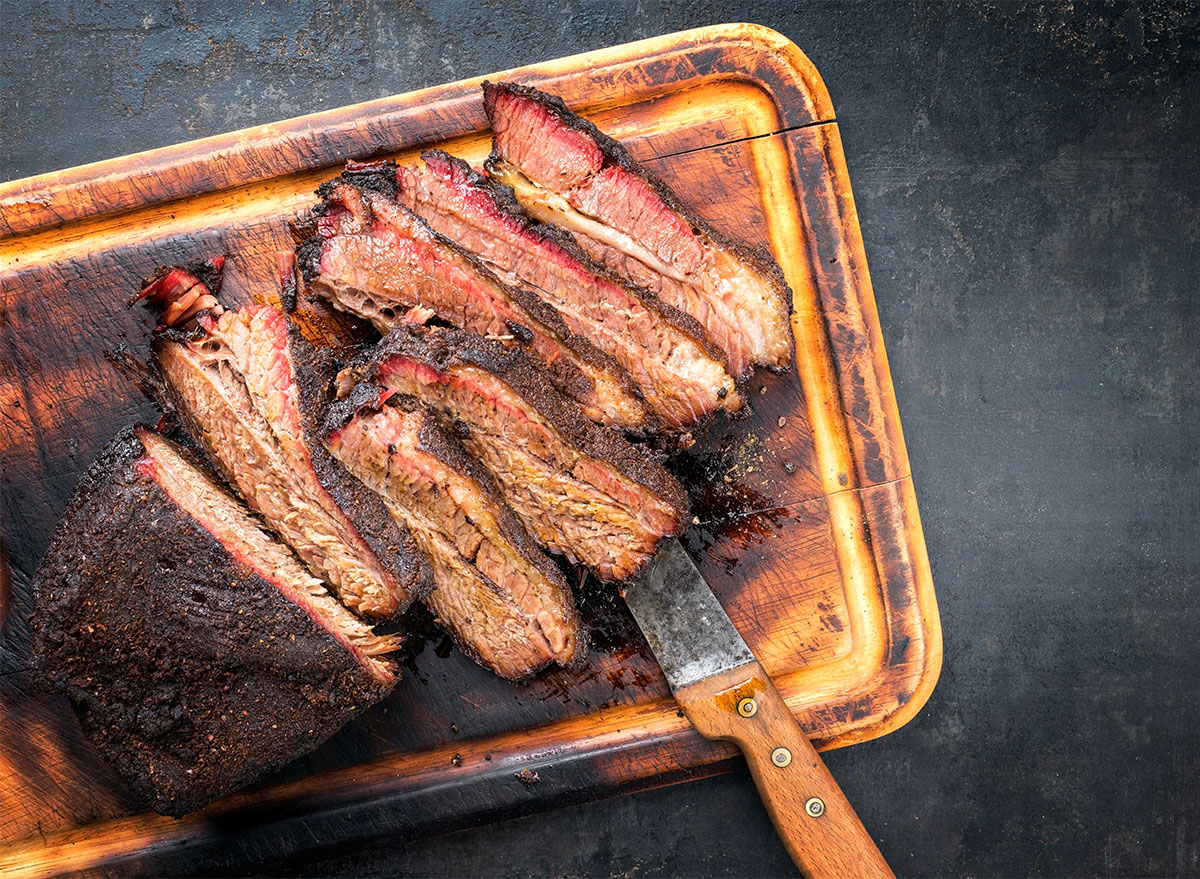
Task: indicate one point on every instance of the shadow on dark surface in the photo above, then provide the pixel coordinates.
(1027, 181)
(569, 842)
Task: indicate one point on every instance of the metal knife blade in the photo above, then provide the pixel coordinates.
(727, 695)
(689, 632)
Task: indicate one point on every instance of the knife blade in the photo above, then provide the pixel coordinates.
(726, 695)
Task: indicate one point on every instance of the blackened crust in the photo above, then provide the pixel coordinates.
(289, 292)
(391, 541)
(308, 258)
(614, 152)
(289, 295)
(364, 395)
(122, 451)
(376, 176)
(192, 674)
(506, 202)
(210, 273)
(443, 349)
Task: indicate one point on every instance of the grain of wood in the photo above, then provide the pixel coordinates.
(808, 532)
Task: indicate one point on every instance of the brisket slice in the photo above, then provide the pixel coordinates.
(181, 293)
(581, 489)
(374, 258)
(504, 601)
(253, 393)
(198, 653)
(671, 358)
(567, 172)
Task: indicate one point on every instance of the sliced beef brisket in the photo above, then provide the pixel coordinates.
(566, 172)
(671, 358)
(253, 392)
(181, 293)
(374, 258)
(581, 489)
(197, 651)
(505, 602)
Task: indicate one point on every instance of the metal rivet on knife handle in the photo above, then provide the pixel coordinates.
(716, 680)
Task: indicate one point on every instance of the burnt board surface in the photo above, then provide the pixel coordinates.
(806, 526)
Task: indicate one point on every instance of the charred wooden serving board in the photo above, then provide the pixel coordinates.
(806, 526)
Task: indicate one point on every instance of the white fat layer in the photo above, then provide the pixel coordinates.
(550, 207)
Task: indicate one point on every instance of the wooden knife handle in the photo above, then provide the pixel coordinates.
(817, 824)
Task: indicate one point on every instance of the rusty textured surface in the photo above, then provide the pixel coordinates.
(1026, 181)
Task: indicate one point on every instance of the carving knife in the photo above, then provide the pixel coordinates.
(726, 695)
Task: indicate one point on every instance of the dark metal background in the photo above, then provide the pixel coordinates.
(1028, 181)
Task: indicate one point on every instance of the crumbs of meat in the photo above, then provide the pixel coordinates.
(527, 778)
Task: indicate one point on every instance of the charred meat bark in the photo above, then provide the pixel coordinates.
(253, 392)
(671, 358)
(504, 601)
(197, 651)
(374, 258)
(566, 172)
(581, 489)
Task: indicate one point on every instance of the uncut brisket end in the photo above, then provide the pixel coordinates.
(253, 393)
(567, 172)
(504, 601)
(374, 258)
(671, 358)
(197, 651)
(581, 489)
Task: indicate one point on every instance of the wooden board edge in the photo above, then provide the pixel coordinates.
(393, 123)
(870, 410)
(486, 774)
(860, 446)
(914, 661)
(843, 282)
(927, 607)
